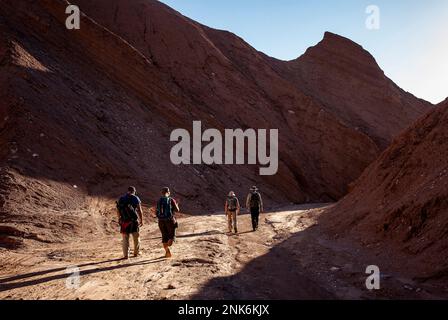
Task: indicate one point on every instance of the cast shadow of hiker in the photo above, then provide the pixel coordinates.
(206, 233)
(8, 284)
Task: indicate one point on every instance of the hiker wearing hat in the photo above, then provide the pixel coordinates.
(166, 208)
(130, 211)
(232, 209)
(254, 204)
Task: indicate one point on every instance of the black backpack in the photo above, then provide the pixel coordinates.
(164, 208)
(232, 203)
(127, 211)
(255, 200)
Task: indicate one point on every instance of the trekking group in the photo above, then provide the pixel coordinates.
(130, 216)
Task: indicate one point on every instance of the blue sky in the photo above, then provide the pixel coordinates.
(411, 45)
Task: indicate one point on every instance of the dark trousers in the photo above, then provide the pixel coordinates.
(254, 213)
(168, 229)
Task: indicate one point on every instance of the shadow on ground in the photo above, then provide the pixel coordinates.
(271, 276)
(44, 276)
(274, 275)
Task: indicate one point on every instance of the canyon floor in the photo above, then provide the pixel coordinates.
(289, 257)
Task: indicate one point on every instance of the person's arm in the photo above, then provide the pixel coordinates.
(261, 204)
(176, 206)
(238, 207)
(156, 209)
(140, 214)
(225, 207)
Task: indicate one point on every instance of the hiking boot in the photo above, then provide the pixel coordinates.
(236, 230)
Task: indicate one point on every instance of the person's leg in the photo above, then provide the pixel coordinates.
(229, 221)
(252, 216)
(136, 237)
(164, 227)
(234, 222)
(175, 227)
(167, 250)
(171, 230)
(257, 215)
(169, 235)
(125, 245)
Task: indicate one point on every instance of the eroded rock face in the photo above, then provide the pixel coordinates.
(95, 107)
(401, 201)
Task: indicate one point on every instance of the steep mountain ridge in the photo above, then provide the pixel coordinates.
(347, 80)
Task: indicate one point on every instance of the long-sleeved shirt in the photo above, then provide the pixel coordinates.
(249, 196)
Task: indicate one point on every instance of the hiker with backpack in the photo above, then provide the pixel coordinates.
(254, 204)
(130, 212)
(166, 208)
(232, 209)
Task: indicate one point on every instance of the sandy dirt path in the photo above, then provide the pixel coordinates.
(285, 259)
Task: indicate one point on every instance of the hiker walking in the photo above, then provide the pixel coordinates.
(232, 209)
(130, 212)
(166, 208)
(254, 204)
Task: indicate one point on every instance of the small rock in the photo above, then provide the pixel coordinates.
(171, 287)
(407, 287)
(334, 269)
(75, 186)
(35, 155)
